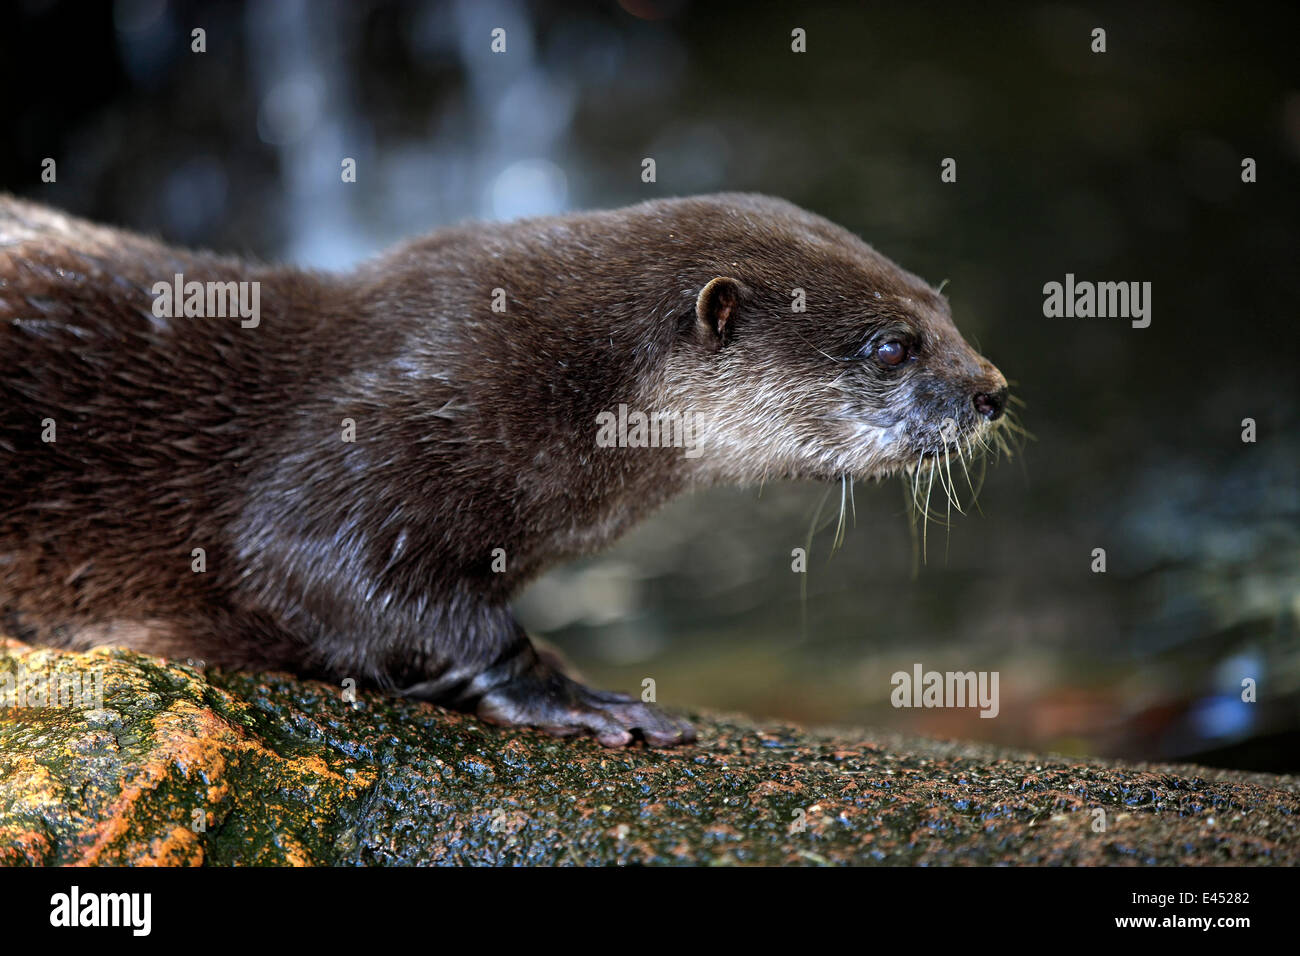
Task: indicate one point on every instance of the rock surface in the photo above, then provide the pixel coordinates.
(184, 767)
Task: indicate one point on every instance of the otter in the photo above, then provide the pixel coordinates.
(356, 481)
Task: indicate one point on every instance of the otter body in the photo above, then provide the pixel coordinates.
(377, 463)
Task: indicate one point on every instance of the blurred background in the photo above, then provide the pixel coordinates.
(1123, 166)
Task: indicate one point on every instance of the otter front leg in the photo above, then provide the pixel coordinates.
(521, 688)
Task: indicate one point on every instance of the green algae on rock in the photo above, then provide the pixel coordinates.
(181, 767)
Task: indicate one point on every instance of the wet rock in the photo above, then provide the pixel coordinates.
(179, 766)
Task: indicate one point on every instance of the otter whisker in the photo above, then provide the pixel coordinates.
(953, 499)
(916, 485)
(835, 382)
(826, 354)
(944, 482)
(925, 525)
(839, 529)
(1003, 446)
(911, 504)
(974, 495)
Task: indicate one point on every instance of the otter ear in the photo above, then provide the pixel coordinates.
(715, 310)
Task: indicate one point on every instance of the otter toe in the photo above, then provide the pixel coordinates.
(563, 708)
(658, 729)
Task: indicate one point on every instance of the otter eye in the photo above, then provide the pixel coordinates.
(891, 353)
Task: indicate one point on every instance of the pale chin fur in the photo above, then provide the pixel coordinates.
(741, 450)
(770, 436)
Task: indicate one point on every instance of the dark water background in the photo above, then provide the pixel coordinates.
(1123, 166)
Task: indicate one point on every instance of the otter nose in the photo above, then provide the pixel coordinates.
(990, 404)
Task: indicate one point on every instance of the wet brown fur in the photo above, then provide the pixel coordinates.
(474, 430)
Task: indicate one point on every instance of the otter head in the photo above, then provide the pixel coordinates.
(812, 356)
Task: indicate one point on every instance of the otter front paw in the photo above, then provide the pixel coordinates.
(548, 700)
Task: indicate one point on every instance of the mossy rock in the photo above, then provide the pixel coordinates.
(180, 766)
